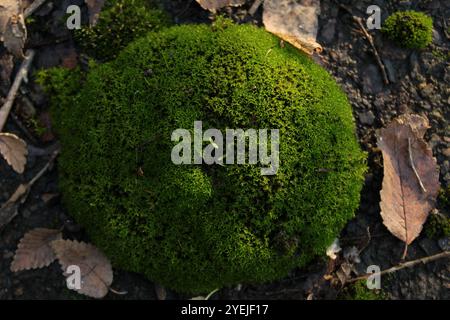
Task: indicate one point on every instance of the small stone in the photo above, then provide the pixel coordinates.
(446, 152)
(367, 117)
(390, 70)
(371, 78)
(444, 243)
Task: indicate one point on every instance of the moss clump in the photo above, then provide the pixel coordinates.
(119, 23)
(437, 226)
(411, 29)
(194, 228)
(359, 291)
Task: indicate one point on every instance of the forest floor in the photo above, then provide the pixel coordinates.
(418, 84)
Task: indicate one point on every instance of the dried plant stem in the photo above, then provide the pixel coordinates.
(33, 7)
(21, 75)
(411, 162)
(404, 265)
(369, 38)
(254, 7)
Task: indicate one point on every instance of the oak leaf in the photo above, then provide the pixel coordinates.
(34, 250)
(14, 150)
(411, 179)
(95, 268)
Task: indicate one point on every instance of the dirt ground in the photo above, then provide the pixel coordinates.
(419, 84)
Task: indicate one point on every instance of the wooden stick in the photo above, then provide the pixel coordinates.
(369, 38)
(401, 266)
(254, 7)
(21, 75)
(33, 7)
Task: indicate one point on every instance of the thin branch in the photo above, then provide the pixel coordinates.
(411, 162)
(21, 75)
(254, 7)
(33, 7)
(404, 265)
(369, 38)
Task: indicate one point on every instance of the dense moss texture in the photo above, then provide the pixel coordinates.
(194, 228)
(119, 23)
(410, 29)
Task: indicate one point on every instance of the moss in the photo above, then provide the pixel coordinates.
(194, 228)
(119, 23)
(410, 29)
(437, 226)
(359, 291)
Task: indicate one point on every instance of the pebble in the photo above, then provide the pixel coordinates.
(366, 117)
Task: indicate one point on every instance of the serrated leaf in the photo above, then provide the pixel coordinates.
(14, 150)
(34, 250)
(96, 270)
(411, 179)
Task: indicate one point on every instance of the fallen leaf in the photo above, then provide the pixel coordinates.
(34, 250)
(14, 150)
(94, 8)
(214, 5)
(411, 179)
(296, 22)
(15, 35)
(13, 32)
(8, 8)
(96, 271)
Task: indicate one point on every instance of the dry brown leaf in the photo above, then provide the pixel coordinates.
(15, 35)
(14, 150)
(34, 250)
(13, 32)
(296, 22)
(411, 179)
(214, 5)
(96, 271)
(94, 8)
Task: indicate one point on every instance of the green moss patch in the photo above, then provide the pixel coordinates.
(410, 29)
(195, 228)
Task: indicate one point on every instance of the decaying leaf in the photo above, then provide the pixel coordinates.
(296, 22)
(96, 271)
(34, 250)
(214, 5)
(411, 180)
(15, 35)
(6, 68)
(13, 32)
(14, 150)
(94, 8)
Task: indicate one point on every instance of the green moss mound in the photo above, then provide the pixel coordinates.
(121, 22)
(194, 228)
(410, 29)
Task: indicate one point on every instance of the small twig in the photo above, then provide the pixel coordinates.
(411, 162)
(121, 293)
(254, 7)
(21, 75)
(404, 265)
(369, 38)
(33, 7)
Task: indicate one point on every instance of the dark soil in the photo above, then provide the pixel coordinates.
(419, 84)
